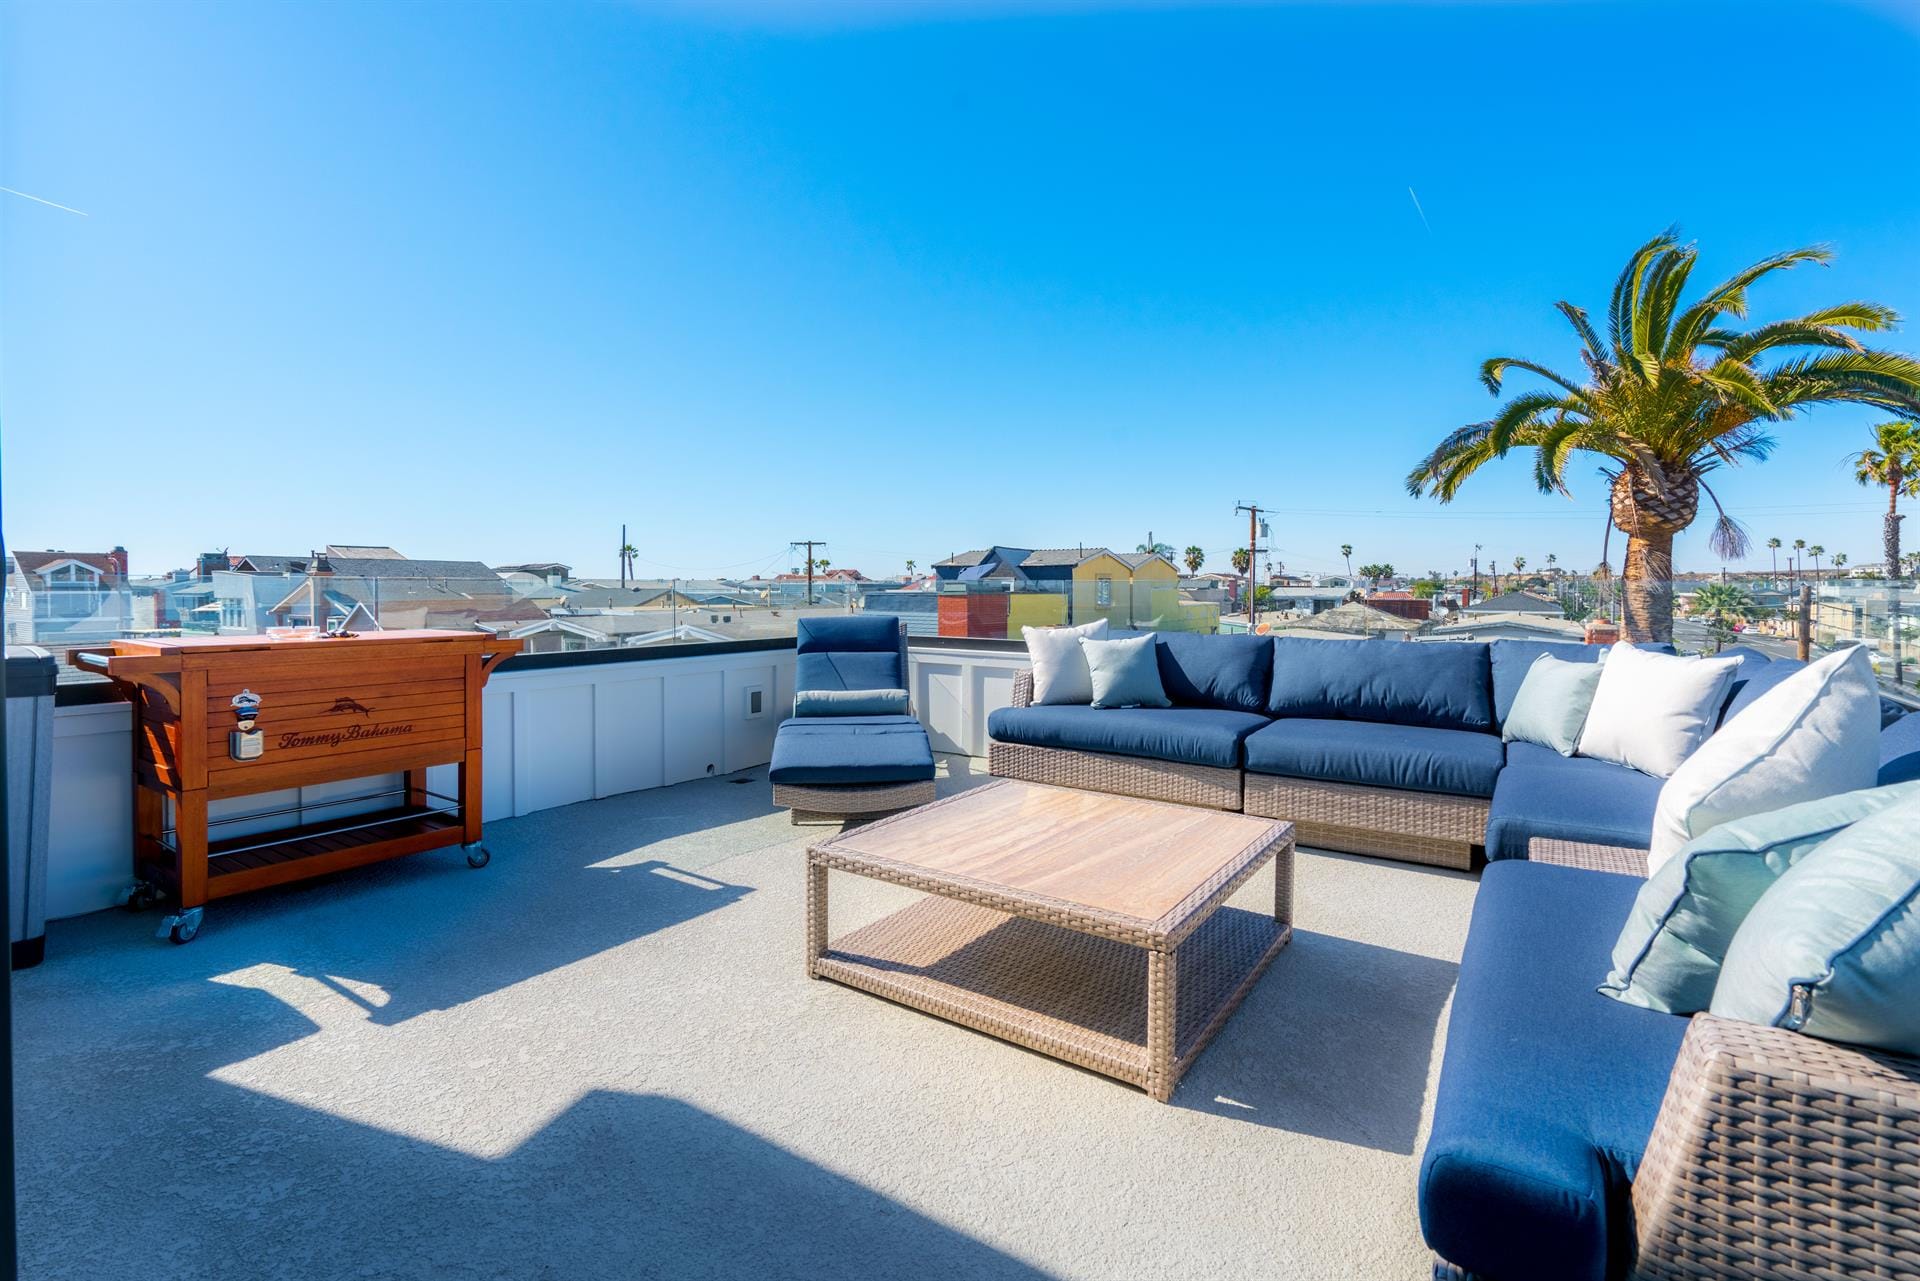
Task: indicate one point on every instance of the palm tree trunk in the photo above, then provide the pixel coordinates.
(1650, 510)
(1647, 587)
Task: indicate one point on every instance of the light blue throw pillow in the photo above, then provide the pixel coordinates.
(1669, 955)
(1126, 673)
(1833, 949)
(850, 702)
(1552, 703)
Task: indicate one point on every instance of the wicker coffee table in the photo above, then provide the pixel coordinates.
(1088, 926)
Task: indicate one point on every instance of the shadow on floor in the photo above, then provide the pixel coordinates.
(428, 932)
(1335, 1042)
(615, 1186)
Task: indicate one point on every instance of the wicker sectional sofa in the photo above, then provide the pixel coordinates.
(1576, 1138)
(1378, 747)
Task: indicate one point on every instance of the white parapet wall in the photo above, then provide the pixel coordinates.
(554, 736)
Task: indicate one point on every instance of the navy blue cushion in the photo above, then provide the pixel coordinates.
(1228, 672)
(1511, 659)
(1569, 798)
(1747, 654)
(855, 633)
(1549, 1090)
(1183, 735)
(848, 669)
(1900, 750)
(1418, 758)
(1751, 680)
(851, 749)
(1442, 683)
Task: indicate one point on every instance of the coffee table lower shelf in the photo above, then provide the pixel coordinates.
(1085, 999)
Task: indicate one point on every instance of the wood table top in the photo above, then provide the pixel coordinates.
(1150, 861)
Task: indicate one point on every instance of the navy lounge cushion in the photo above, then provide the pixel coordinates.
(1570, 798)
(1444, 684)
(1752, 679)
(1900, 750)
(1414, 758)
(872, 633)
(1183, 735)
(848, 669)
(1549, 1090)
(1228, 672)
(851, 749)
(1511, 660)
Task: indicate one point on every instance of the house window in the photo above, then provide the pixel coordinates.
(1103, 591)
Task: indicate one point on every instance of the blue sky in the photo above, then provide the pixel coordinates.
(489, 280)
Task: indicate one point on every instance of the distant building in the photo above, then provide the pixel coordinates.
(60, 598)
(1405, 605)
(1511, 626)
(1516, 603)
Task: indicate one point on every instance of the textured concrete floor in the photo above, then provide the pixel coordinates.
(599, 1058)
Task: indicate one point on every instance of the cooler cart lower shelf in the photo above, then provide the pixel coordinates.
(223, 717)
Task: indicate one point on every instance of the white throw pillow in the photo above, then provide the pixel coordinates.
(1652, 710)
(1815, 734)
(1060, 671)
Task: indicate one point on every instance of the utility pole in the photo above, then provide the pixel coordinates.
(1253, 560)
(1473, 593)
(809, 544)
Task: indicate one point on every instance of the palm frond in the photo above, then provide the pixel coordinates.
(1729, 538)
(1512, 424)
(1596, 351)
(1626, 292)
(1737, 382)
(1654, 312)
(1868, 316)
(1789, 333)
(1492, 371)
(1730, 295)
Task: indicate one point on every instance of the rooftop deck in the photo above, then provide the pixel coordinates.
(600, 1057)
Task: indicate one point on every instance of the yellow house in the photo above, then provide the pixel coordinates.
(1102, 588)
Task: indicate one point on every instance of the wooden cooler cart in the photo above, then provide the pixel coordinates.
(217, 717)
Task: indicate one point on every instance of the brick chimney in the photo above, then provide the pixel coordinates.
(1602, 632)
(118, 556)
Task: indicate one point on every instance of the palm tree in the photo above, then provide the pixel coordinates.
(1894, 462)
(910, 564)
(1242, 558)
(1156, 549)
(1346, 554)
(1671, 394)
(1816, 551)
(1724, 606)
(1519, 566)
(627, 553)
(1793, 566)
(1374, 573)
(1773, 545)
(1839, 561)
(1195, 558)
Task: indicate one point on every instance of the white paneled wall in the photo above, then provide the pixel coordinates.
(955, 689)
(553, 737)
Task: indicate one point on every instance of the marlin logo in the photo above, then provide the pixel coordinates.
(344, 704)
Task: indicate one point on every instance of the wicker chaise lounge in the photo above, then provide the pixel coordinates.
(851, 747)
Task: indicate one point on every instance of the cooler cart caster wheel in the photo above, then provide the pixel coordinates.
(477, 856)
(185, 927)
